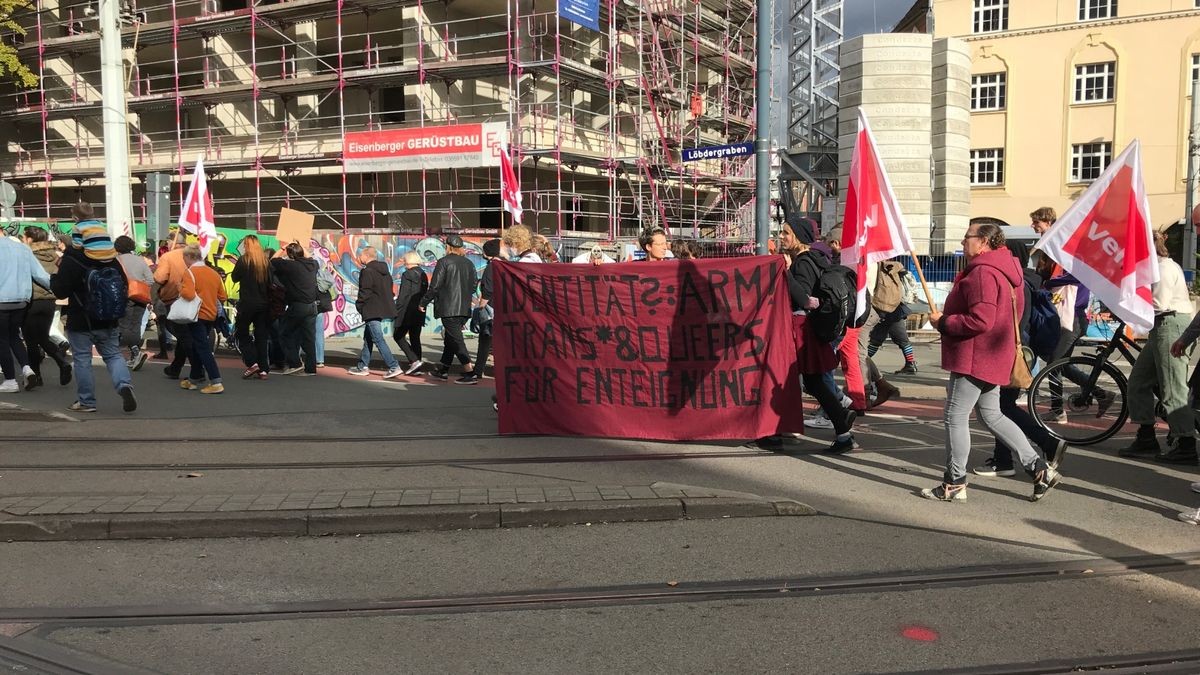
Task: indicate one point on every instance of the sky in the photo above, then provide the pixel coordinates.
(871, 16)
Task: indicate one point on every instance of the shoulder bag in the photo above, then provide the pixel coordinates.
(1020, 378)
(186, 311)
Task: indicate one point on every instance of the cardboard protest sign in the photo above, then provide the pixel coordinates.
(294, 226)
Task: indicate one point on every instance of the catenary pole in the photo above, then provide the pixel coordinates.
(1189, 228)
(117, 192)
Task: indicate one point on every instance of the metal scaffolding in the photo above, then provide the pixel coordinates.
(267, 90)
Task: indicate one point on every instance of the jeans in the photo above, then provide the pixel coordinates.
(1036, 434)
(1156, 366)
(38, 319)
(106, 341)
(297, 331)
(165, 337)
(275, 343)
(254, 350)
(408, 338)
(319, 339)
(481, 354)
(818, 388)
(11, 343)
(203, 361)
(373, 337)
(963, 393)
(455, 344)
(183, 347)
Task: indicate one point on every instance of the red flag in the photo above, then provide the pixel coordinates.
(196, 215)
(1105, 241)
(873, 229)
(510, 187)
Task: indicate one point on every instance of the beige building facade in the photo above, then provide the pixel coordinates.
(1060, 87)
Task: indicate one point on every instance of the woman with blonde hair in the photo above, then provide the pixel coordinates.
(202, 281)
(544, 249)
(410, 319)
(253, 275)
(519, 241)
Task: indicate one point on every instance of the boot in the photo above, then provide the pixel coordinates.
(909, 368)
(1144, 445)
(1181, 450)
(886, 391)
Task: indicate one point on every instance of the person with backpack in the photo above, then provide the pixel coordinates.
(978, 324)
(141, 280)
(855, 394)
(808, 266)
(410, 318)
(1001, 463)
(253, 275)
(204, 283)
(888, 302)
(91, 278)
(39, 317)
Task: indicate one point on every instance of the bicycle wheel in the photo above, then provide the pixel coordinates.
(1058, 402)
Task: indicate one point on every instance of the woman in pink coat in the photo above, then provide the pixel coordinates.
(979, 349)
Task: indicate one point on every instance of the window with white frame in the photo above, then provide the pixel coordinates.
(989, 91)
(1090, 10)
(1095, 82)
(1089, 160)
(987, 166)
(990, 16)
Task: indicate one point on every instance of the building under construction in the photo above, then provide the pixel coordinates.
(267, 91)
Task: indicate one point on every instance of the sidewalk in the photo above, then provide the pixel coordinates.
(166, 516)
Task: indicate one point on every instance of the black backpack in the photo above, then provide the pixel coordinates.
(836, 292)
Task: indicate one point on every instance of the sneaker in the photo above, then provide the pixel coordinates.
(1049, 478)
(908, 369)
(261, 376)
(292, 370)
(885, 392)
(9, 387)
(216, 388)
(1140, 447)
(1190, 517)
(414, 367)
(1104, 401)
(138, 361)
(988, 469)
(946, 493)
(64, 375)
(80, 407)
(1179, 451)
(128, 402)
(768, 443)
(818, 421)
(496, 408)
(846, 401)
(469, 378)
(1054, 416)
(160, 356)
(1060, 451)
(441, 373)
(393, 373)
(171, 374)
(356, 370)
(841, 446)
(188, 384)
(303, 373)
(32, 381)
(320, 365)
(251, 372)
(1195, 487)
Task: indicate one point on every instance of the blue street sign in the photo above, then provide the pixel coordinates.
(718, 152)
(583, 12)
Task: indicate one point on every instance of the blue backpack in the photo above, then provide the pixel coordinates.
(107, 293)
(1044, 325)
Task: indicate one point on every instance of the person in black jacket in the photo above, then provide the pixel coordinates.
(410, 316)
(481, 322)
(375, 303)
(450, 290)
(297, 329)
(91, 251)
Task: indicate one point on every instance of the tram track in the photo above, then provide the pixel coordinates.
(616, 595)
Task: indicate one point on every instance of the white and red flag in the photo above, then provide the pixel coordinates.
(510, 187)
(873, 229)
(1105, 241)
(196, 215)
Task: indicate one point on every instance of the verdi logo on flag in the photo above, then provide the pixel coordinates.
(1105, 241)
(196, 215)
(873, 229)
(510, 187)
(583, 12)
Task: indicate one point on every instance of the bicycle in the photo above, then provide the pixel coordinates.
(1081, 399)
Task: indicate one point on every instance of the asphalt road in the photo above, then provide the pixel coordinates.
(1099, 573)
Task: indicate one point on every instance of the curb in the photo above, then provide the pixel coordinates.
(316, 523)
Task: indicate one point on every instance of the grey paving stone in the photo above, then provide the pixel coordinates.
(640, 492)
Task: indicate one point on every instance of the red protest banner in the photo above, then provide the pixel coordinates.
(676, 350)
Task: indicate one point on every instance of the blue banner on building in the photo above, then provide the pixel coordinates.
(583, 12)
(718, 152)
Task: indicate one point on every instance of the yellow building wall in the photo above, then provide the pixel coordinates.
(1039, 51)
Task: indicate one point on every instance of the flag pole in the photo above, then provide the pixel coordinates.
(924, 285)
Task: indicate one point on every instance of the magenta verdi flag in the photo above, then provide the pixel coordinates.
(873, 229)
(196, 215)
(1105, 241)
(510, 187)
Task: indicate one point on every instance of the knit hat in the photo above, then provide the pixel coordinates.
(93, 238)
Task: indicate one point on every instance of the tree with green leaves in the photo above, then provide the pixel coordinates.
(11, 67)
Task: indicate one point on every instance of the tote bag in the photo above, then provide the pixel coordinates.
(185, 311)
